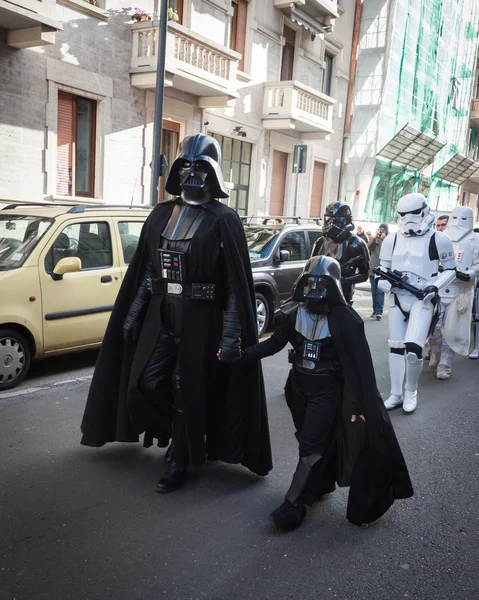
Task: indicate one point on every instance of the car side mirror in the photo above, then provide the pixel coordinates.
(71, 264)
(284, 255)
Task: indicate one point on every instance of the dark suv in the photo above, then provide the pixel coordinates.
(278, 254)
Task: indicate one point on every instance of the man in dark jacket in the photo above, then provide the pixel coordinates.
(374, 247)
(341, 439)
(188, 291)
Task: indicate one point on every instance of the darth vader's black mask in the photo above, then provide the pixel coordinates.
(196, 173)
(319, 285)
(338, 221)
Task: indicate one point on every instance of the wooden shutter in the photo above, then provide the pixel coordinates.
(278, 184)
(65, 144)
(238, 34)
(315, 209)
(174, 127)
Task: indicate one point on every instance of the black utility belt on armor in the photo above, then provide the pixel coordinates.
(309, 359)
(195, 291)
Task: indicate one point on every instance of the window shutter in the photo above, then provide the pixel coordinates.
(278, 183)
(65, 144)
(316, 205)
(239, 29)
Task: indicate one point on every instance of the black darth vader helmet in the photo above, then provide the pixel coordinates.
(196, 170)
(338, 221)
(319, 285)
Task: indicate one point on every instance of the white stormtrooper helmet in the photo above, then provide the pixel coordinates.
(461, 222)
(414, 215)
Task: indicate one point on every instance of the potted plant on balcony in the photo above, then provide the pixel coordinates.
(140, 15)
(173, 15)
(93, 2)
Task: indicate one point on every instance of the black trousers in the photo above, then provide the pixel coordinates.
(161, 379)
(315, 404)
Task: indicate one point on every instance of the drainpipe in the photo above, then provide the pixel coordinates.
(349, 102)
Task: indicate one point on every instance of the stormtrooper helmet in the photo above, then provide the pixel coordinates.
(461, 222)
(414, 215)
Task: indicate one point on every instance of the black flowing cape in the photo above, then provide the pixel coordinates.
(224, 405)
(369, 458)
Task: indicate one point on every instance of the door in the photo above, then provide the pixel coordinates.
(294, 242)
(287, 58)
(169, 147)
(76, 308)
(316, 205)
(278, 183)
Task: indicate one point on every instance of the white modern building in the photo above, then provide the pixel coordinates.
(77, 81)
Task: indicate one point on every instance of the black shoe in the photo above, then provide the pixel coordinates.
(173, 479)
(378, 317)
(288, 517)
(169, 454)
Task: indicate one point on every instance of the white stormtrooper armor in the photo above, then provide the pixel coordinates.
(416, 251)
(457, 299)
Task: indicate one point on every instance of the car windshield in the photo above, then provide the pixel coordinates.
(260, 240)
(19, 235)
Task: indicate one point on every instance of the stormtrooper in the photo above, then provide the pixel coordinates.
(453, 331)
(410, 262)
(338, 241)
(188, 291)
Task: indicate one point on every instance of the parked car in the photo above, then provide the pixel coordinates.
(61, 267)
(278, 254)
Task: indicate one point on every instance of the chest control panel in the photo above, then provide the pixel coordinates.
(311, 350)
(172, 265)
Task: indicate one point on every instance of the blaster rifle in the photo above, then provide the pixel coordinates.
(398, 280)
(350, 264)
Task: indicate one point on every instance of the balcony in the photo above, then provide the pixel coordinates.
(29, 23)
(318, 9)
(194, 64)
(292, 106)
(474, 114)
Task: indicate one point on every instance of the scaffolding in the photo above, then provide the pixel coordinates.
(427, 93)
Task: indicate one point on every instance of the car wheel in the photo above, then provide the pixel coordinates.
(15, 358)
(262, 313)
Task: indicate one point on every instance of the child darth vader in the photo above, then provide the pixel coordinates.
(343, 438)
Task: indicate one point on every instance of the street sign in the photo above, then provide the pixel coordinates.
(299, 158)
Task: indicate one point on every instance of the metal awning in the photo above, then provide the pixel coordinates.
(412, 148)
(304, 20)
(458, 169)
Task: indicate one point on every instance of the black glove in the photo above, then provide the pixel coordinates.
(430, 289)
(130, 325)
(231, 340)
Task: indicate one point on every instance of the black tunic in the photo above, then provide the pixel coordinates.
(224, 405)
(367, 455)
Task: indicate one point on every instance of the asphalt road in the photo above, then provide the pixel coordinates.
(86, 524)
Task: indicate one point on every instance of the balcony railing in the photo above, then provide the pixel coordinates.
(292, 105)
(198, 65)
(29, 23)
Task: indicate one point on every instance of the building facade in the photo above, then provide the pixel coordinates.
(263, 76)
(411, 112)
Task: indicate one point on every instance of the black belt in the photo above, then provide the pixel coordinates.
(332, 365)
(195, 291)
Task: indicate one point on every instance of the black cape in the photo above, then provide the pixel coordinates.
(224, 405)
(367, 455)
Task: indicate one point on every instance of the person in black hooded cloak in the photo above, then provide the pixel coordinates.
(342, 438)
(188, 291)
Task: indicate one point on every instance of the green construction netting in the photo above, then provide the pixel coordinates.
(429, 85)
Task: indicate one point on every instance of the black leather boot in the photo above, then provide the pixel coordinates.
(169, 454)
(288, 517)
(174, 478)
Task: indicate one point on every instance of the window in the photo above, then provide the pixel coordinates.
(238, 29)
(76, 145)
(236, 166)
(90, 242)
(313, 236)
(18, 237)
(130, 236)
(169, 147)
(287, 60)
(295, 244)
(327, 74)
(177, 6)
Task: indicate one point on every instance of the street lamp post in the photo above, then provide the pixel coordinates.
(158, 162)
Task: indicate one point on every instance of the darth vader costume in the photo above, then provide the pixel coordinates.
(188, 291)
(339, 242)
(329, 349)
